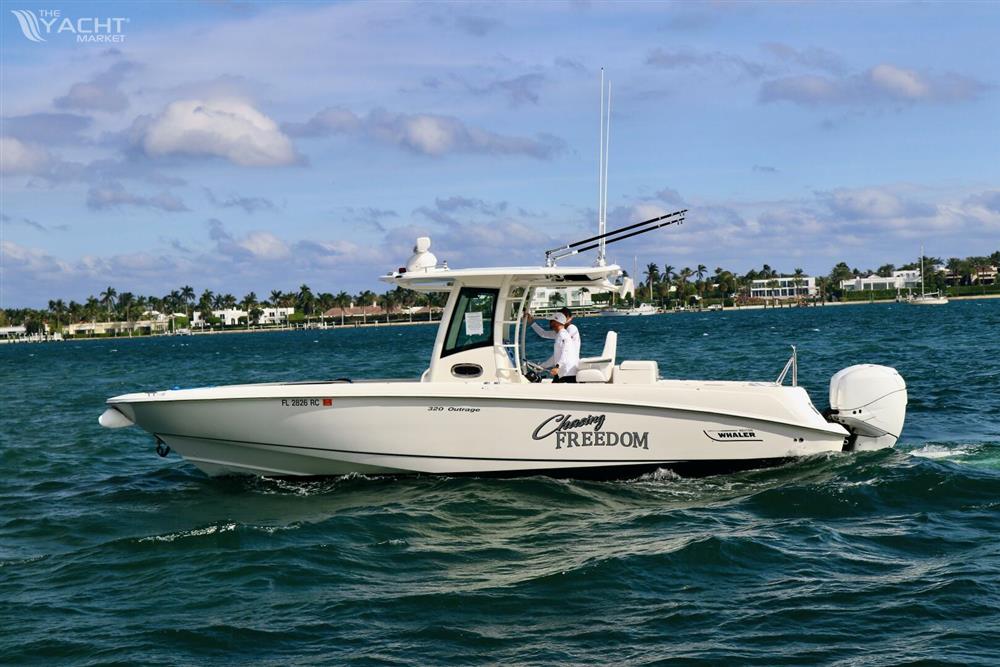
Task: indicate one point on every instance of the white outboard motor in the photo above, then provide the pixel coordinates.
(870, 402)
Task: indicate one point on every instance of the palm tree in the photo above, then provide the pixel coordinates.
(700, 273)
(174, 301)
(249, 301)
(275, 298)
(126, 301)
(823, 284)
(249, 304)
(652, 276)
(58, 307)
(91, 309)
(366, 298)
(666, 277)
(305, 299)
(342, 301)
(205, 305)
(798, 280)
(324, 302)
(187, 296)
(108, 299)
(388, 302)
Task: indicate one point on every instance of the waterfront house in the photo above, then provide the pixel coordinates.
(908, 279)
(784, 287)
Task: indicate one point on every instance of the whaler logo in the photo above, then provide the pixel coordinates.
(47, 22)
(734, 435)
(578, 433)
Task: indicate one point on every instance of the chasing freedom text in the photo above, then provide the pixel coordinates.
(564, 428)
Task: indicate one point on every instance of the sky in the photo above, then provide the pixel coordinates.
(252, 146)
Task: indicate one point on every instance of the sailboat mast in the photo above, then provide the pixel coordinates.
(922, 271)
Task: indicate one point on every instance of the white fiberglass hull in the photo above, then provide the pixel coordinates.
(928, 301)
(484, 429)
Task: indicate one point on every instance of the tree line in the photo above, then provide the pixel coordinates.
(656, 282)
(112, 305)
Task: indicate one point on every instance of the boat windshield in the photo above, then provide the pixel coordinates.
(471, 324)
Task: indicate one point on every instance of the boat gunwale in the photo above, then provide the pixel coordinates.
(831, 428)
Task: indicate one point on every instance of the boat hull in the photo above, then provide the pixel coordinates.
(484, 429)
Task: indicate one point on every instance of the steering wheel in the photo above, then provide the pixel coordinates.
(534, 372)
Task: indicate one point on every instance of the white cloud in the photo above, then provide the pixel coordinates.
(427, 134)
(264, 245)
(865, 203)
(19, 258)
(686, 58)
(896, 81)
(810, 58)
(101, 93)
(18, 157)
(114, 195)
(229, 129)
(881, 84)
(257, 245)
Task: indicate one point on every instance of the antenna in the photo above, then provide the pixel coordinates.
(607, 152)
(604, 127)
(600, 169)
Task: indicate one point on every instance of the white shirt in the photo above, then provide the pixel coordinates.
(565, 354)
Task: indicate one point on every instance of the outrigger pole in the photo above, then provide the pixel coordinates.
(551, 256)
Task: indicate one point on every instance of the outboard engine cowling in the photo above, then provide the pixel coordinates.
(870, 402)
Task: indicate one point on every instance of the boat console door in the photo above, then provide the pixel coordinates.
(479, 339)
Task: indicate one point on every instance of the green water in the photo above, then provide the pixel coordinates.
(109, 554)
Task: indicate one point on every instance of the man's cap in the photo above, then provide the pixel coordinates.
(558, 317)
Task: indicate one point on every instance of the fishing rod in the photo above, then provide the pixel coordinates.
(551, 256)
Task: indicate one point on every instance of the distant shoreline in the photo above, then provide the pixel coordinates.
(370, 325)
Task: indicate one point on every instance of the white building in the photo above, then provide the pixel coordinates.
(275, 315)
(785, 287)
(231, 316)
(898, 280)
(558, 297)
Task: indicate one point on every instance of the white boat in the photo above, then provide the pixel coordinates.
(642, 309)
(929, 299)
(479, 407)
(926, 298)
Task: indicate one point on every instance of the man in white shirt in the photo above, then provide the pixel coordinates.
(566, 350)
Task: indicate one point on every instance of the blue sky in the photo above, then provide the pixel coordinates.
(253, 146)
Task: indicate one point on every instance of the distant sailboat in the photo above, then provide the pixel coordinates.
(926, 298)
(637, 310)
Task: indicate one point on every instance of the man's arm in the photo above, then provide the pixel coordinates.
(542, 332)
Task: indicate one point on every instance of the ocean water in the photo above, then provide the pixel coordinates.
(110, 554)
